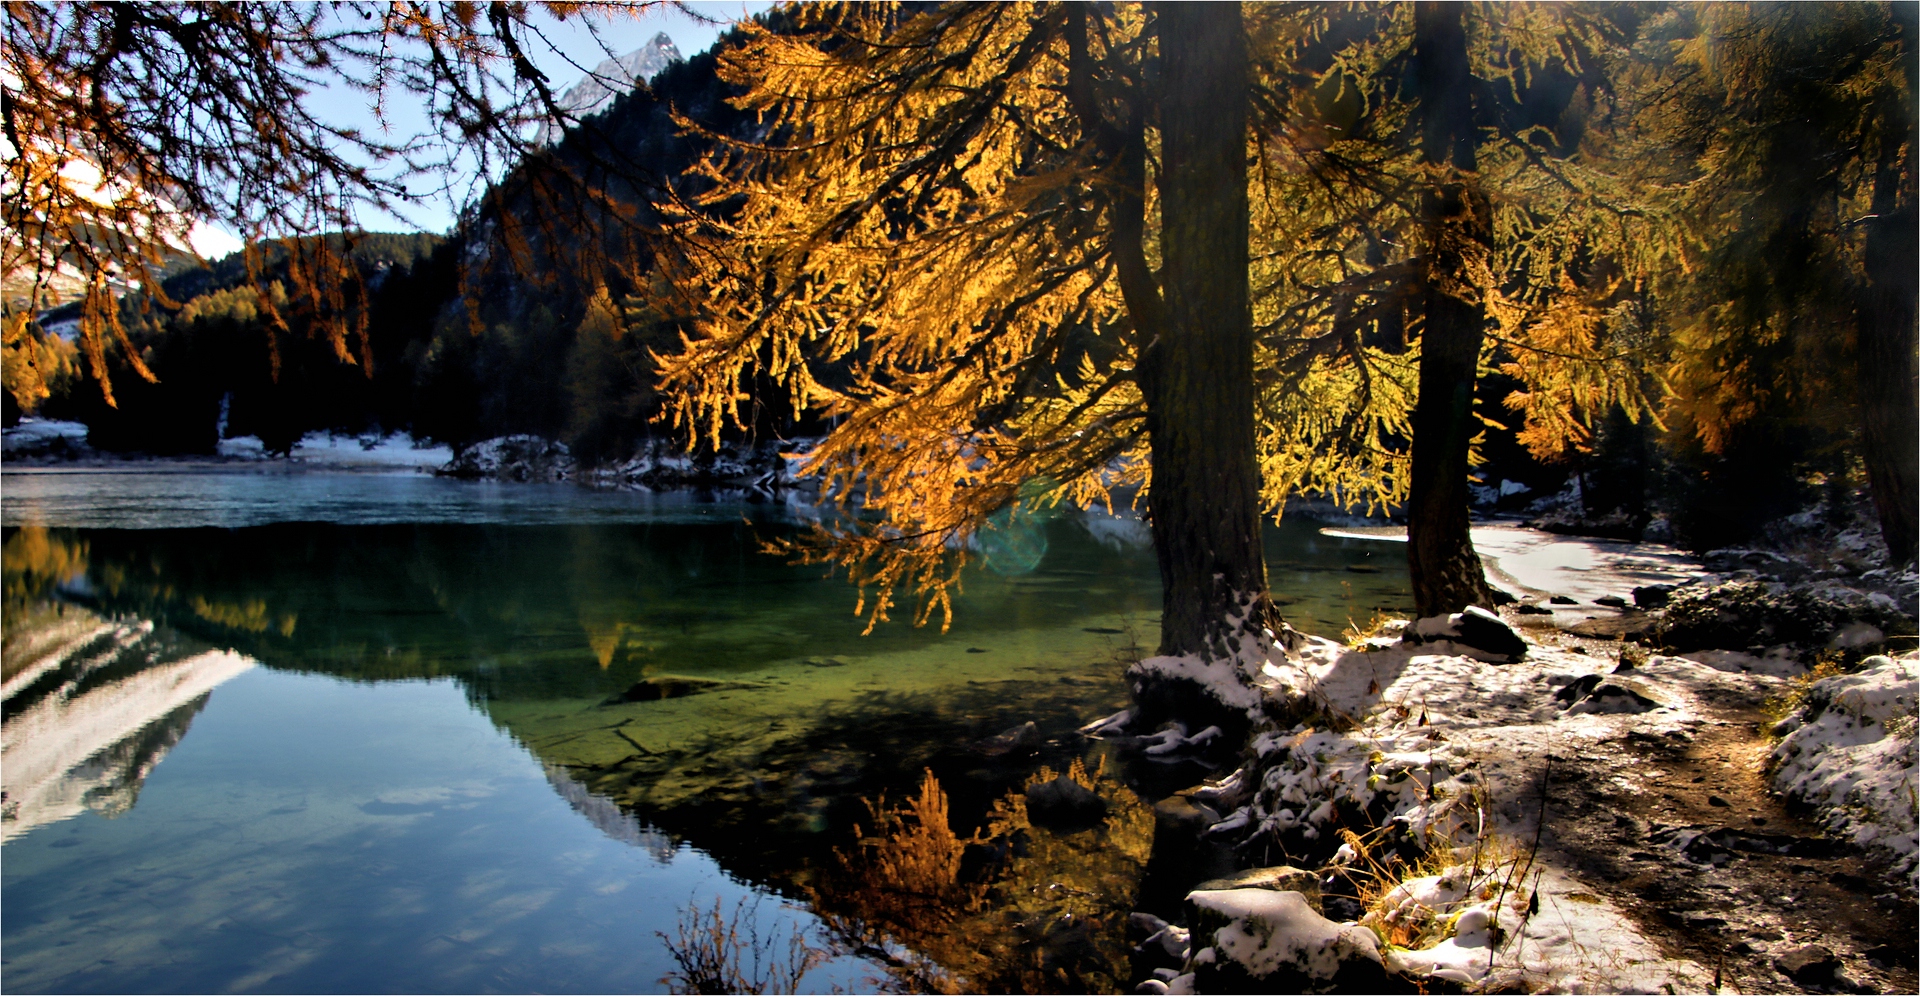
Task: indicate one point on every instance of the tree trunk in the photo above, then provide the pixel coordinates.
(1889, 397)
(1205, 499)
(1446, 572)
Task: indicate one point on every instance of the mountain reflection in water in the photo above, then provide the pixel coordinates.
(90, 705)
(563, 636)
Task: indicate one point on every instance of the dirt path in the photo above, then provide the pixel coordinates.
(1689, 857)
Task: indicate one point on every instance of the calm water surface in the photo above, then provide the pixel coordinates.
(303, 732)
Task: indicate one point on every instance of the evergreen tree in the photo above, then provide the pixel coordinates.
(1439, 202)
(1794, 127)
(956, 207)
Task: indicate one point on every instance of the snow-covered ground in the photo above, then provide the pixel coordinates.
(1849, 753)
(324, 450)
(39, 436)
(1450, 748)
(1530, 563)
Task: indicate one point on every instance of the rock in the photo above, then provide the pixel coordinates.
(666, 687)
(1614, 696)
(512, 458)
(1260, 940)
(1716, 845)
(1484, 630)
(1283, 878)
(1159, 948)
(1562, 600)
(1632, 626)
(1652, 596)
(1022, 739)
(1064, 804)
(1808, 965)
(825, 662)
(1475, 629)
(1577, 689)
(1181, 855)
(1228, 793)
(1116, 723)
(1529, 609)
(1611, 601)
(1736, 614)
(1180, 818)
(1430, 628)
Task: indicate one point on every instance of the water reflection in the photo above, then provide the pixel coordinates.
(90, 705)
(1035, 900)
(114, 638)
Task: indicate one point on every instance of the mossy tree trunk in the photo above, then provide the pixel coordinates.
(1205, 499)
(1446, 573)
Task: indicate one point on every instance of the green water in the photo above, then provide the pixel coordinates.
(396, 756)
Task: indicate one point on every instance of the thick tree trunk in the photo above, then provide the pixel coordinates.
(1890, 426)
(1889, 339)
(1205, 499)
(1445, 571)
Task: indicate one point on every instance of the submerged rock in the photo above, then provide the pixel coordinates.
(1064, 804)
(666, 687)
(1022, 739)
(1182, 853)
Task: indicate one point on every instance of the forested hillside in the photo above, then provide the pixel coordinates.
(520, 321)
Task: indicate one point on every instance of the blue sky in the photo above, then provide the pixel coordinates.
(574, 50)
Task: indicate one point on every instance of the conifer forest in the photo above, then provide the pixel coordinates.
(1326, 496)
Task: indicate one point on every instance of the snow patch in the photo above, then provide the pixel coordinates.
(1268, 931)
(1849, 752)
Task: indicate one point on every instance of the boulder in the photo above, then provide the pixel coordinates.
(1064, 804)
(1476, 629)
(1485, 631)
(1282, 878)
(1267, 941)
(1742, 613)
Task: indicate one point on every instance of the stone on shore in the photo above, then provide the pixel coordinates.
(1265, 941)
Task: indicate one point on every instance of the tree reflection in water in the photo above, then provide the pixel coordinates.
(1013, 907)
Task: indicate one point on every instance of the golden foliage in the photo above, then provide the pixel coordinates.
(1575, 240)
(1050, 917)
(1783, 121)
(919, 253)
